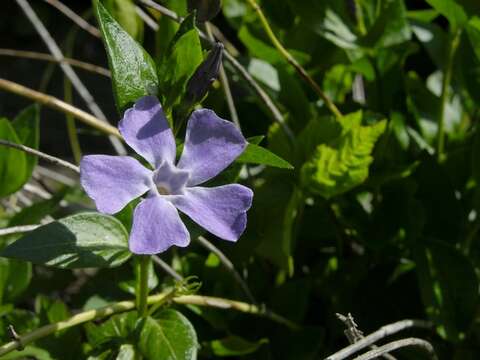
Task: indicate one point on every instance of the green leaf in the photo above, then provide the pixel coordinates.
(390, 27)
(124, 12)
(235, 346)
(449, 288)
(453, 11)
(13, 163)
(473, 31)
(343, 163)
(77, 241)
(118, 328)
(275, 208)
(133, 70)
(166, 32)
(14, 279)
(30, 352)
(27, 128)
(255, 139)
(170, 336)
(175, 70)
(255, 154)
(126, 352)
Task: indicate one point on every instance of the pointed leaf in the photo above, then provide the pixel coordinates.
(27, 127)
(175, 70)
(13, 163)
(170, 337)
(78, 241)
(255, 154)
(133, 70)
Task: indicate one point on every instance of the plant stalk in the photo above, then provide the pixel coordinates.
(123, 306)
(142, 283)
(56, 104)
(447, 76)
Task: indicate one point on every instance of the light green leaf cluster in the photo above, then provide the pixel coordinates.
(342, 163)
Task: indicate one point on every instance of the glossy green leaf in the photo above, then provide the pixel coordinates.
(255, 154)
(125, 14)
(168, 336)
(173, 71)
(133, 70)
(117, 328)
(27, 128)
(235, 346)
(342, 164)
(13, 163)
(77, 241)
(166, 31)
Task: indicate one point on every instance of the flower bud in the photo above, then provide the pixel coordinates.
(205, 75)
(206, 9)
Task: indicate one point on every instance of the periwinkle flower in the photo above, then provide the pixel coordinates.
(211, 144)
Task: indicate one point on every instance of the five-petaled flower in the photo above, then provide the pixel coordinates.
(211, 144)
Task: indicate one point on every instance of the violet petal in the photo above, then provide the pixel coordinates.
(113, 181)
(221, 210)
(211, 144)
(156, 227)
(145, 128)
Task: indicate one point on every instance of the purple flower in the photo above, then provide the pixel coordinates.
(211, 144)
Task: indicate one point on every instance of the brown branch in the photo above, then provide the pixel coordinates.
(47, 57)
(40, 154)
(59, 105)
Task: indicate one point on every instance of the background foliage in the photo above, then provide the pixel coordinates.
(374, 213)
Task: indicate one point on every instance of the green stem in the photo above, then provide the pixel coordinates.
(67, 96)
(447, 75)
(75, 320)
(142, 283)
(123, 306)
(284, 52)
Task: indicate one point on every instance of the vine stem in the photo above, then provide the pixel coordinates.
(124, 306)
(142, 283)
(59, 105)
(225, 83)
(394, 345)
(284, 52)
(41, 155)
(47, 57)
(447, 76)
(383, 332)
